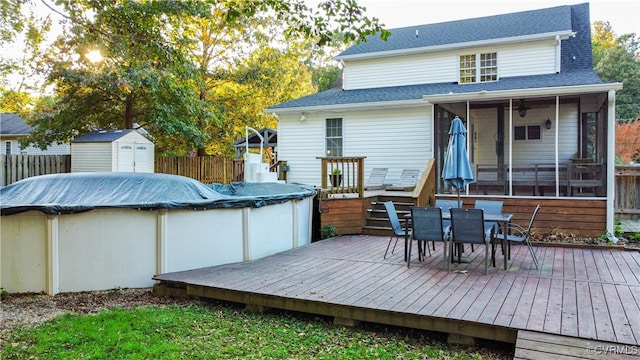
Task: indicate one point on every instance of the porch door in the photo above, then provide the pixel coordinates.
(442, 123)
(591, 137)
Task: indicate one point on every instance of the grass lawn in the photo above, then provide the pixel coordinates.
(223, 331)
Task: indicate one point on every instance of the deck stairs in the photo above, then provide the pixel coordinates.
(377, 222)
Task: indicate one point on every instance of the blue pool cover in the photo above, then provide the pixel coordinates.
(78, 192)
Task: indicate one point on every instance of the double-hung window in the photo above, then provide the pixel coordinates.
(527, 132)
(475, 68)
(334, 136)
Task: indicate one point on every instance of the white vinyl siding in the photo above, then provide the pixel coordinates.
(396, 139)
(91, 157)
(403, 70)
(531, 58)
(527, 59)
(53, 149)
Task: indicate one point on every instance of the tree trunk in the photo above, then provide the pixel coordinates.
(128, 114)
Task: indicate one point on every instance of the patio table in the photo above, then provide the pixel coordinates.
(503, 219)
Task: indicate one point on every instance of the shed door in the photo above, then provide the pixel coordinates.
(126, 157)
(142, 158)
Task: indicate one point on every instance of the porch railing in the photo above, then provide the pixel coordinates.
(424, 194)
(342, 175)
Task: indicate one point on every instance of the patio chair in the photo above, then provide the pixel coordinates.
(426, 225)
(396, 227)
(519, 234)
(491, 207)
(445, 205)
(408, 180)
(376, 179)
(467, 227)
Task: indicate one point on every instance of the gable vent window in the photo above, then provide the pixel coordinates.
(478, 68)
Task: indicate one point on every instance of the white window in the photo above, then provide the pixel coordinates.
(334, 136)
(475, 68)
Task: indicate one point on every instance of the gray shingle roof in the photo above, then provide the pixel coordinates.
(102, 136)
(576, 57)
(416, 92)
(13, 124)
(524, 23)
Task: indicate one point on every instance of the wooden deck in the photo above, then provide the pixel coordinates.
(582, 293)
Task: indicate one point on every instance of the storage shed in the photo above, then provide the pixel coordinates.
(112, 151)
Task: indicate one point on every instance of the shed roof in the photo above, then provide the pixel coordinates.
(98, 136)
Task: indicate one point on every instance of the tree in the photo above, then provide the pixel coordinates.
(141, 82)
(628, 142)
(616, 59)
(266, 77)
(150, 78)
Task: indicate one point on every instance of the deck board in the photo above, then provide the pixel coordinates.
(581, 293)
(585, 311)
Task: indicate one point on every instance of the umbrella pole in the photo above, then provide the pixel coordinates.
(458, 198)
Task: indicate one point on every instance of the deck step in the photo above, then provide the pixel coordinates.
(376, 230)
(377, 223)
(536, 345)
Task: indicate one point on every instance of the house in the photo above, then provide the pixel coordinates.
(522, 82)
(13, 128)
(112, 151)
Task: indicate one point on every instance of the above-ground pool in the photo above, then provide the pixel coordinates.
(98, 231)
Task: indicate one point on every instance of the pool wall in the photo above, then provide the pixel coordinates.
(124, 248)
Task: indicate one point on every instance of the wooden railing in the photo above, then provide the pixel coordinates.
(424, 194)
(281, 168)
(627, 197)
(17, 167)
(342, 175)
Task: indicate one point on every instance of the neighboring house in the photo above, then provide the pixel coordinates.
(112, 151)
(13, 128)
(522, 82)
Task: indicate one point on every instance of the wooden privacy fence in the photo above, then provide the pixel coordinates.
(17, 167)
(627, 200)
(206, 169)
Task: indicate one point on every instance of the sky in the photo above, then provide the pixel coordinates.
(623, 15)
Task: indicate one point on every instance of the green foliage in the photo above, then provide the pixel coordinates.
(192, 73)
(324, 78)
(615, 60)
(605, 238)
(336, 171)
(215, 331)
(618, 229)
(328, 231)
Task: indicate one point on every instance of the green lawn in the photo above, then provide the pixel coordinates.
(221, 331)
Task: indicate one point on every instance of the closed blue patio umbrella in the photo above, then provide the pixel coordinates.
(457, 168)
